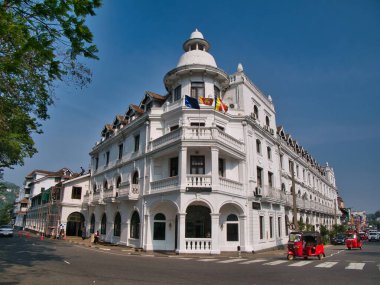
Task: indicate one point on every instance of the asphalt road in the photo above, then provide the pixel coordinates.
(32, 261)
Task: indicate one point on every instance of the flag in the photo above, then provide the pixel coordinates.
(191, 102)
(219, 105)
(206, 101)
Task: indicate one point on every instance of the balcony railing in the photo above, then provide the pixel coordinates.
(128, 192)
(271, 194)
(166, 184)
(198, 245)
(230, 186)
(197, 133)
(195, 180)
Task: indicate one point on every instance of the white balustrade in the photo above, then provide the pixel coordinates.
(165, 184)
(198, 180)
(198, 245)
(230, 186)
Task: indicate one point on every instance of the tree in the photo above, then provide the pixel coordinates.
(41, 42)
(6, 214)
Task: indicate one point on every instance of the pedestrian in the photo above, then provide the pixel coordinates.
(96, 237)
(83, 233)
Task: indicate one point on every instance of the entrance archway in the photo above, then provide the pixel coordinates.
(198, 222)
(75, 223)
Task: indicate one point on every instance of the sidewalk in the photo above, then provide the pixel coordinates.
(135, 251)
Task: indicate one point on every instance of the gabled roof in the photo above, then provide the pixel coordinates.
(107, 129)
(155, 96)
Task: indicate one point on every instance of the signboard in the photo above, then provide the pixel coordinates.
(256, 206)
(198, 189)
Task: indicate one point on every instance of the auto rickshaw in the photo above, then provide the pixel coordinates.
(305, 244)
(353, 240)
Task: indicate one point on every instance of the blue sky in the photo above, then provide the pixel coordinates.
(319, 60)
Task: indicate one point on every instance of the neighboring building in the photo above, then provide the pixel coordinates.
(168, 177)
(51, 199)
(345, 217)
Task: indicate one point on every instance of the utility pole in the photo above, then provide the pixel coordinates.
(291, 164)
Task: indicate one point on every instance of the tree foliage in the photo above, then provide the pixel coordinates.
(41, 42)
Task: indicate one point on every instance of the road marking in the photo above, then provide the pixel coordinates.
(253, 261)
(326, 264)
(105, 249)
(301, 263)
(66, 262)
(357, 266)
(275, 262)
(232, 260)
(335, 253)
(208, 259)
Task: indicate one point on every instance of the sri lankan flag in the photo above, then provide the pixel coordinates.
(219, 105)
(206, 101)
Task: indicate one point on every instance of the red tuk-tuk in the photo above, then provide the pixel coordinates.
(353, 240)
(305, 244)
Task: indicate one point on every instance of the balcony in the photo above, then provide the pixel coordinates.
(273, 195)
(128, 192)
(97, 198)
(196, 182)
(210, 134)
(109, 195)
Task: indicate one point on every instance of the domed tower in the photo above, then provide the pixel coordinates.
(196, 73)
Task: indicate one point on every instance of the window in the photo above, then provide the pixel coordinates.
(57, 179)
(96, 163)
(117, 225)
(94, 188)
(76, 193)
(283, 188)
(297, 170)
(258, 146)
(279, 226)
(121, 146)
(282, 161)
(92, 225)
(261, 220)
(174, 166)
(197, 164)
(286, 225)
(271, 227)
(103, 225)
(220, 128)
(197, 89)
(107, 157)
(232, 228)
(105, 185)
(270, 179)
(216, 92)
(159, 227)
(290, 166)
(221, 167)
(135, 226)
(177, 93)
(269, 152)
(135, 178)
(259, 176)
(256, 111)
(267, 121)
(137, 143)
(118, 182)
(173, 128)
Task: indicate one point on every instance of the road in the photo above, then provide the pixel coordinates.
(32, 261)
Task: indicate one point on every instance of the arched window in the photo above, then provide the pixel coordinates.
(258, 146)
(135, 226)
(105, 185)
(283, 188)
(267, 121)
(103, 225)
(94, 188)
(299, 193)
(118, 182)
(92, 226)
(135, 178)
(232, 228)
(159, 227)
(256, 111)
(117, 225)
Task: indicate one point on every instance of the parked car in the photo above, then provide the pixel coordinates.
(6, 231)
(373, 236)
(339, 239)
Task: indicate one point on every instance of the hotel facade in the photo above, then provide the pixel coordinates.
(166, 176)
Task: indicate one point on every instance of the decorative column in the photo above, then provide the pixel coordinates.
(215, 168)
(242, 227)
(181, 244)
(182, 167)
(215, 230)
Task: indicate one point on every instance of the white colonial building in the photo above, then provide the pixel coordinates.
(168, 177)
